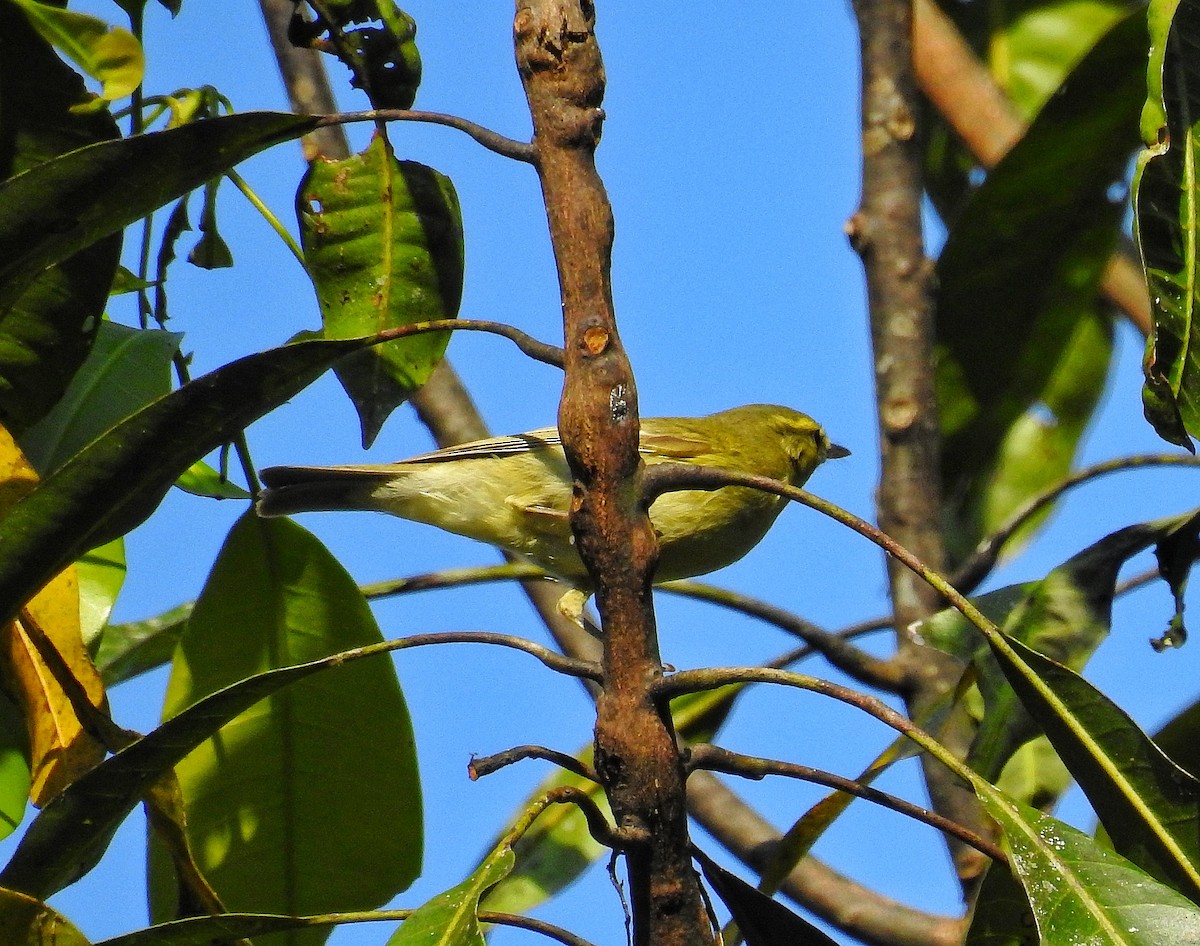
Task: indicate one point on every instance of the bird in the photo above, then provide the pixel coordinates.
(514, 492)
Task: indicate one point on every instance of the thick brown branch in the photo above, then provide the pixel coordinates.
(886, 232)
(559, 62)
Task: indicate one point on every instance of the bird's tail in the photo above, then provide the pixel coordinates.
(293, 489)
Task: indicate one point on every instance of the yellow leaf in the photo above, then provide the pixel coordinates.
(60, 747)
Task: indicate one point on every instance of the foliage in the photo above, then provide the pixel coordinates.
(282, 786)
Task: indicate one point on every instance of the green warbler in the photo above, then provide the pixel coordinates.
(514, 492)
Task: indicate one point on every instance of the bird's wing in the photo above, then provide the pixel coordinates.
(674, 446)
(493, 447)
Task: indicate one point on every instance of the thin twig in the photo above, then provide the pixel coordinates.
(539, 351)
(836, 648)
(981, 561)
(481, 766)
(584, 669)
(718, 759)
(492, 140)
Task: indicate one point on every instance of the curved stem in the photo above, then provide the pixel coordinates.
(718, 759)
(544, 352)
(481, 766)
(492, 140)
(983, 559)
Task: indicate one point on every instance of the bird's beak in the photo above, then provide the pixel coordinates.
(836, 452)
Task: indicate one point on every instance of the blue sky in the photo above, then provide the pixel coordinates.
(731, 157)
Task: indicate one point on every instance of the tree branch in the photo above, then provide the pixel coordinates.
(636, 757)
(718, 759)
(886, 233)
(492, 140)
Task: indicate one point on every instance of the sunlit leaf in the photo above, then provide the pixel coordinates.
(298, 842)
(1166, 206)
(383, 240)
(109, 54)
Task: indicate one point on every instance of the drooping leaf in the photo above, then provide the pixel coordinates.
(1166, 200)
(1148, 805)
(1065, 616)
(298, 842)
(69, 836)
(111, 55)
(56, 208)
(115, 482)
(211, 251)
(61, 745)
(383, 241)
(761, 921)
(1018, 284)
(450, 918)
(47, 331)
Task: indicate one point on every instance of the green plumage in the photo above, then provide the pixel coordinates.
(513, 492)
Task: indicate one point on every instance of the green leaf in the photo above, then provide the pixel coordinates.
(15, 778)
(69, 836)
(124, 651)
(1081, 893)
(101, 574)
(1065, 616)
(51, 211)
(1001, 916)
(384, 244)
(211, 251)
(117, 481)
(47, 331)
(761, 921)
(207, 930)
(1018, 279)
(449, 919)
(25, 921)
(200, 479)
(1148, 805)
(126, 369)
(109, 54)
(298, 842)
(1166, 207)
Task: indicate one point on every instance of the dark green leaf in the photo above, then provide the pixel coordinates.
(383, 240)
(1001, 916)
(1018, 282)
(126, 650)
(47, 331)
(211, 251)
(1148, 805)
(761, 920)
(275, 598)
(1082, 893)
(53, 210)
(1165, 210)
(118, 480)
